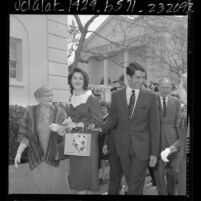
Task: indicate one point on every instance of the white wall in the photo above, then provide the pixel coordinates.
(19, 91)
(44, 56)
(57, 57)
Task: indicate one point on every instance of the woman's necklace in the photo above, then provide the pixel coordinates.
(44, 113)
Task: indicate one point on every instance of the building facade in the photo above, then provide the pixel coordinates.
(125, 40)
(38, 56)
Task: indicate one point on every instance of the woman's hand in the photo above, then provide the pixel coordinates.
(80, 125)
(20, 149)
(17, 159)
(54, 127)
(66, 121)
(61, 130)
(58, 128)
(91, 126)
(71, 125)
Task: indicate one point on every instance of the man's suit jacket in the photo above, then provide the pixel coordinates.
(142, 130)
(169, 128)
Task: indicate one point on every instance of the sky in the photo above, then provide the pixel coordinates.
(85, 18)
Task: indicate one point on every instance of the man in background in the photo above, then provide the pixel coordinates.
(166, 172)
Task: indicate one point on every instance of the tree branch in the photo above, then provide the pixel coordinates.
(79, 23)
(96, 57)
(86, 26)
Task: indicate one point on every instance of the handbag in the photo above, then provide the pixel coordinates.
(77, 144)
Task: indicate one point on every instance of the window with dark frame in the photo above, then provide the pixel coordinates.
(15, 54)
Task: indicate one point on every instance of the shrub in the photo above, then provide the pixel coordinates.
(16, 113)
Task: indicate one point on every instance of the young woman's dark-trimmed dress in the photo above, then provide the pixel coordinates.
(84, 169)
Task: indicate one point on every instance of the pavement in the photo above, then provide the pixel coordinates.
(21, 183)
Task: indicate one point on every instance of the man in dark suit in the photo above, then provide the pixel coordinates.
(169, 108)
(135, 116)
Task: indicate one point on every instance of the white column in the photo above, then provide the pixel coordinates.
(105, 73)
(107, 92)
(125, 65)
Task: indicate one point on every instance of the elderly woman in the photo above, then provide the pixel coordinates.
(47, 170)
(184, 133)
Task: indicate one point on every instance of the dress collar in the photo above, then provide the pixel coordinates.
(78, 100)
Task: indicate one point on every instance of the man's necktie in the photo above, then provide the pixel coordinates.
(164, 107)
(131, 104)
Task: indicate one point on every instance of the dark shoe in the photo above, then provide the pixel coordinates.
(153, 183)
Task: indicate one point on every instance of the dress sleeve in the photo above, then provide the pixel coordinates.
(60, 117)
(23, 130)
(95, 111)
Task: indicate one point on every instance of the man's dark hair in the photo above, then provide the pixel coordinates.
(85, 76)
(132, 67)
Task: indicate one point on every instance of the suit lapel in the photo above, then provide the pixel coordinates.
(160, 106)
(138, 102)
(169, 105)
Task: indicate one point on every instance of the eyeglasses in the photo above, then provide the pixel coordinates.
(114, 89)
(47, 95)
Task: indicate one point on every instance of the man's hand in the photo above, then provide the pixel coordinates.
(165, 154)
(106, 173)
(105, 149)
(152, 161)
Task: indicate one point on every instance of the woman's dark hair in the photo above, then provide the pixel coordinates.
(84, 74)
(132, 67)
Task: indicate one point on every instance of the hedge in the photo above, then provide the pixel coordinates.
(16, 113)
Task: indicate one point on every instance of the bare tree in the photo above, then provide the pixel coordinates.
(166, 42)
(77, 38)
(166, 45)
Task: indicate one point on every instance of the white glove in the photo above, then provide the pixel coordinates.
(80, 125)
(21, 148)
(57, 128)
(67, 121)
(54, 127)
(165, 154)
(71, 125)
